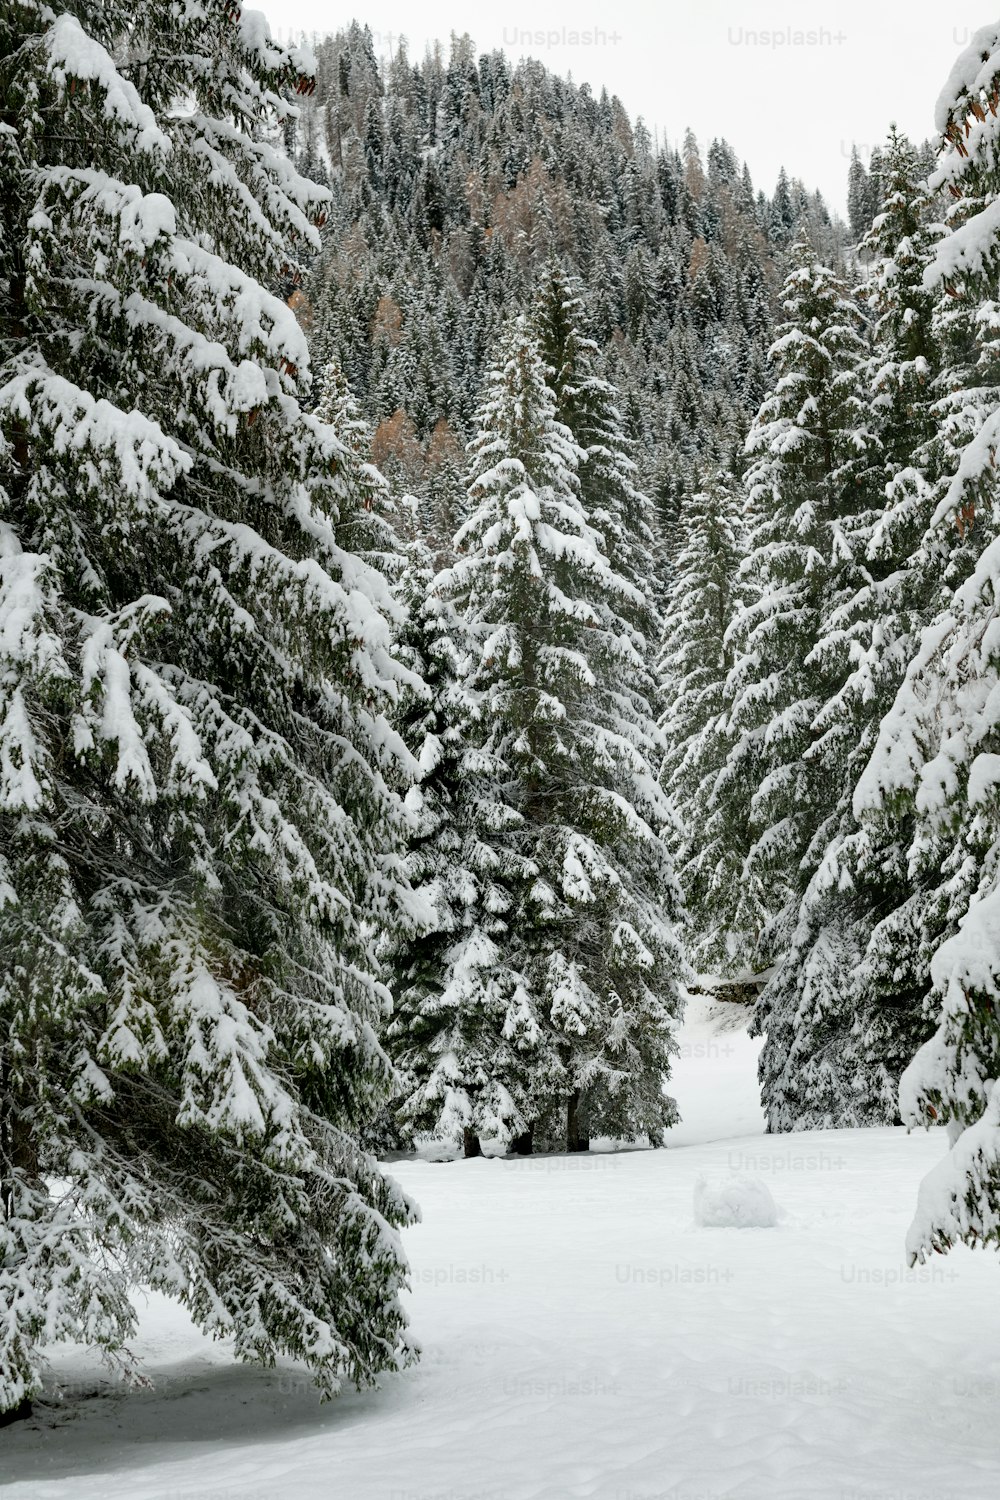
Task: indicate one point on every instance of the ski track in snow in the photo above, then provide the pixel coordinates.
(582, 1338)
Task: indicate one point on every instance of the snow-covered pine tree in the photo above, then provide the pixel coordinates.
(419, 1035)
(847, 998)
(709, 838)
(587, 404)
(934, 385)
(860, 208)
(808, 448)
(937, 751)
(367, 528)
(811, 458)
(199, 834)
(560, 988)
(904, 360)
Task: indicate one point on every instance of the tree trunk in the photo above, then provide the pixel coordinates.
(470, 1144)
(18, 1156)
(16, 1413)
(521, 1144)
(18, 1148)
(577, 1132)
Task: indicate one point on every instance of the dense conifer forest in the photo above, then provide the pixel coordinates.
(478, 584)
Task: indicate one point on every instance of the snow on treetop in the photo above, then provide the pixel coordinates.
(74, 55)
(256, 37)
(974, 70)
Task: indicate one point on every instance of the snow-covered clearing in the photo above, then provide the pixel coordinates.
(582, 1338)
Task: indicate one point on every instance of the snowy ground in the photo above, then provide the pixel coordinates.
(582, 1338)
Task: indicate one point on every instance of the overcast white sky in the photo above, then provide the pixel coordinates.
(825, 76)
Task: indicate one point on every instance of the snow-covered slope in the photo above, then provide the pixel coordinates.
(714, 1078)
(583, 1338)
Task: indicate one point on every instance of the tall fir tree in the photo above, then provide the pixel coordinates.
(918, 562)
(851, 987)
(199, 833)
(367, 526)
(588, 405)
(807, 450)
(858, 197)
(554, 1013)
(423, 1034)
(709, 836)
(936, 758)
(811, 459)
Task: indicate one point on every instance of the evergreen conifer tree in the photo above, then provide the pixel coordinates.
(810, 474)
(433, 723)
(198, 829)
(554, 1012)
(861, 204)
(936, 755)
(808, 453)
(709, 841)
(587, 404)
(847, 998)
(367, 525)
(934, 380)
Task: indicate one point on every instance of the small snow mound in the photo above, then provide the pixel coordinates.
(737, 1203)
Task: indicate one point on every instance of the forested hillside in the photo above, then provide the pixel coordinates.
(471, 575)
(455, 178)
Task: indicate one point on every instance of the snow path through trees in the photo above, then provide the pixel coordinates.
(583, 1339)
